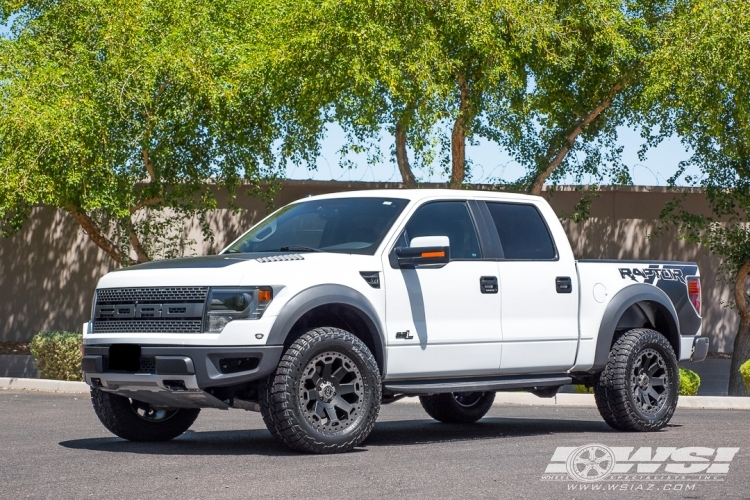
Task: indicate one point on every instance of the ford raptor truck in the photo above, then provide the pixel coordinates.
(337, 304)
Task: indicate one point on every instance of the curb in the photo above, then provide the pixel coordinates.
(43, 385)
(587, 401)
(501, 398)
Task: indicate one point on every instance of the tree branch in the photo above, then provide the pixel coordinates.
(541, 177)
(145, 203)
(94, 233)
(148, 165)
(136, 243)
(458, 136)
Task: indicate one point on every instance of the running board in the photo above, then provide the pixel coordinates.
(420, 387)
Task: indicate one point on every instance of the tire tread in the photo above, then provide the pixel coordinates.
(611, 391)
(279, 415)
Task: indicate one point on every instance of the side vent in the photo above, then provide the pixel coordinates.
(371, 277)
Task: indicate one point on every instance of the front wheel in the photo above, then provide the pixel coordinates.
(137, 421)
(638, 389)
(458, 407)
(325, 394)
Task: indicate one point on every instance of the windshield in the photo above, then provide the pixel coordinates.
(343, 225)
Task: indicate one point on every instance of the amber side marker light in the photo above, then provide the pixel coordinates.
(264, 295)
(428, 255)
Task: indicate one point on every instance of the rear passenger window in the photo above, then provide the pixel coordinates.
(523, 233)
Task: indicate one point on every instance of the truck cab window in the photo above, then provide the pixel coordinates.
(523, 233)
(445, 218)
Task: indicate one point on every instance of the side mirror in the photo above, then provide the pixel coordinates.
(425, 250)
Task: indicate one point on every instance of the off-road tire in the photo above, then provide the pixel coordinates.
(446, 408)
(616, 388)
(119, 417)
(264, 397)
(288, 414)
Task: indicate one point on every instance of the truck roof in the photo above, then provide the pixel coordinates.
(422, 194)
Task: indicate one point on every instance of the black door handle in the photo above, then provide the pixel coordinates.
(564, 284)
(488, 284)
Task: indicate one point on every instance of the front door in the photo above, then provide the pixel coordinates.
(442, 320)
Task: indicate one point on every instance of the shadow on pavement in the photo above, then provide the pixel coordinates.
(389, 433)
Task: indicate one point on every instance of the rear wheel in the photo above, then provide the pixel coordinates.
(638, 389)
(138, 421)
(458, 407)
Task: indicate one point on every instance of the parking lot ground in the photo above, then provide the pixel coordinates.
(53, 446)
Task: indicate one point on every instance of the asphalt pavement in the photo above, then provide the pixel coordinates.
(53, 446)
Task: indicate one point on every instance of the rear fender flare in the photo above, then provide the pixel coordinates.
(620, 303)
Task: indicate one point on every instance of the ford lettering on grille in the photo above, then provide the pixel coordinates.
(149, 310)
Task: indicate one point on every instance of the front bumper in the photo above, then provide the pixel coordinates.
(178, 376)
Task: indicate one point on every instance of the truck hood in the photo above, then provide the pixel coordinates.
(267, 268)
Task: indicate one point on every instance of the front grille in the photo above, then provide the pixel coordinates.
(153, 326)
(159, 295)
(149, 310)
(145, 365)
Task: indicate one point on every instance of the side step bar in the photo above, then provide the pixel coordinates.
(438, 386)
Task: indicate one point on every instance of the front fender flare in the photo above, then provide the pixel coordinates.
(320, 295)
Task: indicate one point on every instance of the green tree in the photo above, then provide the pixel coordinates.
(407, 66)
(584, 84)
(699, 89)
(548, 81)
(130, 115)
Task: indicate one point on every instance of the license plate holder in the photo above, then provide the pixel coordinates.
(124, 357)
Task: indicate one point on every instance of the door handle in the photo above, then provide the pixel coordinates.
(564, 284)
(488, 284)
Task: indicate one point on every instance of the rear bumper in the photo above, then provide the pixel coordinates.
(178, 376)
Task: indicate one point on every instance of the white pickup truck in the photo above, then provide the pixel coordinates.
(336, 304)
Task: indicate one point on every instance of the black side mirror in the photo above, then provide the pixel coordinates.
(425, 250)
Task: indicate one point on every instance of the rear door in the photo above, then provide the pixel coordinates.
(539, 290)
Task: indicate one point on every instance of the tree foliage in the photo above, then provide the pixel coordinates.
(698, 89)
(586, 83)
(130, 114)
(410, 67)
(550, 82)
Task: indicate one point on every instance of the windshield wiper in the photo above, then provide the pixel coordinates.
(296, 248)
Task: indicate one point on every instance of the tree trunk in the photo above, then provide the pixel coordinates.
(580, 125)
(741, 352)
(96, 235)
(136, 243)
(458, 138)
(401, 157)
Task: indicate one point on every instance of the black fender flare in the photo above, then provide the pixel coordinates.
(622, 300)
(320, 295)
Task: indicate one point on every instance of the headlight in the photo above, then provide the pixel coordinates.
(227, 304)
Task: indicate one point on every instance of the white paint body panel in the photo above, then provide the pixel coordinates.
(455, 328)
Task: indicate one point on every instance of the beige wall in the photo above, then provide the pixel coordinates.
(49, 270)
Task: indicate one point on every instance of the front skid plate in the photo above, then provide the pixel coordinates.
(175, 399)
